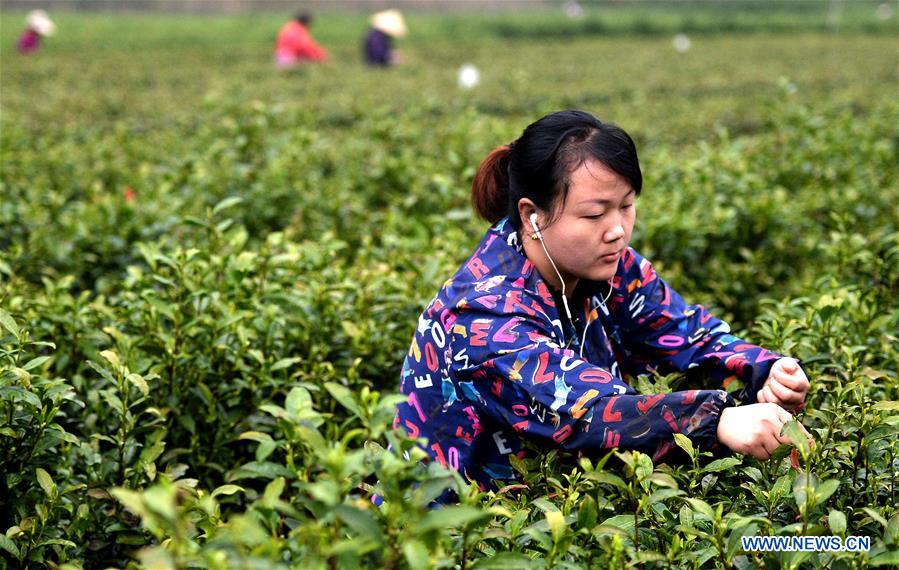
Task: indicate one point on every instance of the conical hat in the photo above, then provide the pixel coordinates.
(38, 21)
(390, 22)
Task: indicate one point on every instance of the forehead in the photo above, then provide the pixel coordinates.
(592, 180)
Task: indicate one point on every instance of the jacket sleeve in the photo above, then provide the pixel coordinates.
(307, 47)
(509, 363)
(661, 331)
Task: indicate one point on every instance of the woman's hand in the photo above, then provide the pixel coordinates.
(785, 386)
(754, 429)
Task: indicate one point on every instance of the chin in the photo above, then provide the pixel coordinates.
(603, 273)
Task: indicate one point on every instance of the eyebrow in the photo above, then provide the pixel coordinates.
(604, 202)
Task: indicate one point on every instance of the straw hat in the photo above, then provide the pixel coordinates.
(38, 21)
(390, 22)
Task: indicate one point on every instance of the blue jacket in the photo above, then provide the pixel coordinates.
(378, 48)
(494, 367)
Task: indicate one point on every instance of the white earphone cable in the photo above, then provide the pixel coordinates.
(539, 235)
(553, 263)
(587, 324)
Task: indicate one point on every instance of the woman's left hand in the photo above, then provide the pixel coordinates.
(785, 386)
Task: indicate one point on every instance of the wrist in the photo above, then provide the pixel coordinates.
(722, 423)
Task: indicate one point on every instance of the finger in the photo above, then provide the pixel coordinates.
(769, 395)
(757, 450)
(783, 416)
(760, 397)
(760, 453)
(783, 438)
(790, 365)
(769, 444)
(797, 381)
(783, 393)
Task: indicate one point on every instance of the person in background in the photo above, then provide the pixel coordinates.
(295, 44)
(37, 26)
(378, 46)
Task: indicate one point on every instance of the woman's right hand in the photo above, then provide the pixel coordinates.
(754, 429)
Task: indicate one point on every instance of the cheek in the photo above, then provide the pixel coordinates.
(629, 221)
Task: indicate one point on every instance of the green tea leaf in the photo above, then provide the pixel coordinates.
(111, 357)
(9, 324)
(261, 470)
(606, 477)
(701, 507)
(836, 520)
(545, 505)
(8, 545)
(35, 362)
(298, 400)
(273, 492)
(227, 490)
(46, 482)
(825, 490)
(722, 464)
(793, 430)
(891, 533)
(504, 561)
(888, 558)
(557, 525)
(416, 554)
(621, 522)
(643, 466)
(131, 499)
(56, 542)
(362, 522)
(343, 395)
(284, 363)
(684, 443)
(139, 382)
(226, 203)
(876, 516)
(451, 517)
(587, 513)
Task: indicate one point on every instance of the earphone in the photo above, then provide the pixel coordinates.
(533, 219)
(534, 225)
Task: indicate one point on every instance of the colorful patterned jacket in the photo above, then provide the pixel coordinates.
(490, 368)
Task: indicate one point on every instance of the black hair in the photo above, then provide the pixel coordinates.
(304, 18)
(539, 163)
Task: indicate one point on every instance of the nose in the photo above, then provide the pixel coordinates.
(615, 233)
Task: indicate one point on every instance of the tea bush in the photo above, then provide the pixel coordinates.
(204, 302)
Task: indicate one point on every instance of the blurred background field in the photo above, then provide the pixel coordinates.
(187, 109)
(200, 236)
(617, 59)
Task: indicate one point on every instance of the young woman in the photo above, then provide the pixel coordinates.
(530, 344)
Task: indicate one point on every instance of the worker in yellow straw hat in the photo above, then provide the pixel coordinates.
(37, 26)
(378, 46)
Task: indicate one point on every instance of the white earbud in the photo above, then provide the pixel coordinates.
(534, 225)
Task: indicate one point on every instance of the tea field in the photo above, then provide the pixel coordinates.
(210, 272)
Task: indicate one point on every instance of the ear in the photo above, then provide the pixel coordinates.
(526, 207)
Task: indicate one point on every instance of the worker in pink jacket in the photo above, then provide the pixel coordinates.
(37, 26)
(295, 44)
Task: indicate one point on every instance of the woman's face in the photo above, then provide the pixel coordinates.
(593, 228)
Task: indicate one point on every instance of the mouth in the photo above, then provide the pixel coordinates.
(611, 257)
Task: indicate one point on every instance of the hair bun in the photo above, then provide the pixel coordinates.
(490, 186)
